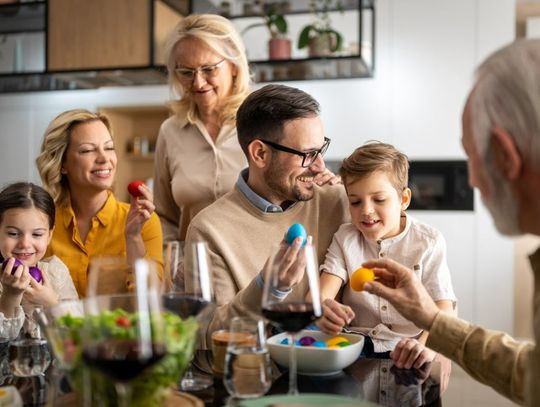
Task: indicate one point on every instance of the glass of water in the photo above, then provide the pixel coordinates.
(248, 372)
(29, 356)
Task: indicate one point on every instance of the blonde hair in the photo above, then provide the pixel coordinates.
(53, 148)
(220, 35)
(376, 156)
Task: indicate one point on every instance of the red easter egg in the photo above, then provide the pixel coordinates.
(133, 188)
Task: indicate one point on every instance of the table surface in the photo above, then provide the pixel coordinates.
(374, 380)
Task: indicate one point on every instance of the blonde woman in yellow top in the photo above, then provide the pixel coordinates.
(77, 165)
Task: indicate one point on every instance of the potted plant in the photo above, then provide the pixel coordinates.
(319, 36)
(279, 46)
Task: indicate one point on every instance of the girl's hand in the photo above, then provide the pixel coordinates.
(410, 353)
(335, 317)
(139, 212)
(15, 284)
(41, 293)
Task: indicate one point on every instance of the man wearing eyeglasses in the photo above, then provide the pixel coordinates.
(281, 133)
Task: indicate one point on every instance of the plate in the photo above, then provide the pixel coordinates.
(305, 400)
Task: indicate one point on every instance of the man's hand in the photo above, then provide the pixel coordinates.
(400, 286)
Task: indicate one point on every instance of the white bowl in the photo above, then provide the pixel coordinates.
(314, 361)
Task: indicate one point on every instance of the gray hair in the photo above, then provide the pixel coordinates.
(507, 95)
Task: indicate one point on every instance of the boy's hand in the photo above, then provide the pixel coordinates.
(335, 317)
(41, 294)
(410, 353)
(16, 283)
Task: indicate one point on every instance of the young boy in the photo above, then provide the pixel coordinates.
(376, 178)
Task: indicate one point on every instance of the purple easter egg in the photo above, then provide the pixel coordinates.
(307, 340)
(34, 271)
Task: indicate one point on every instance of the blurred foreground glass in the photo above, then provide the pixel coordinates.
(29, 354)
(248, 372)
(188, 293)
(110, 275)
(124, 334)
(287, 314)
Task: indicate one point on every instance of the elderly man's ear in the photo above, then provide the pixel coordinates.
(259, 153)
(507, 157)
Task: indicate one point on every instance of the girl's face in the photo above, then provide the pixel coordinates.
(24, 234)
(376, 206)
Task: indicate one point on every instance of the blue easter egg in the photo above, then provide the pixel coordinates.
(319, 344)
(296, 230)
(285, 341)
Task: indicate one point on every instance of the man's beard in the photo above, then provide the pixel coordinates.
(503, 207)
(276, 180)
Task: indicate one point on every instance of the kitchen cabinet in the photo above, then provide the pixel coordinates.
(81, 44)
(135, 131)
(87, 44)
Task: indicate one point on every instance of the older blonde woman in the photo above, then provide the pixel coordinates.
(77, 165)
(198, 158)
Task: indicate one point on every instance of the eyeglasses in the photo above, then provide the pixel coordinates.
(308, 157)
(207, 71)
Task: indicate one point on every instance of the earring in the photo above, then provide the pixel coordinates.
(63, 171)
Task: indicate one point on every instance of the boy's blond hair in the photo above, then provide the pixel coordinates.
(376, 156)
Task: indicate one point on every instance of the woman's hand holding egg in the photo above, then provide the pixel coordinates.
(141, 208)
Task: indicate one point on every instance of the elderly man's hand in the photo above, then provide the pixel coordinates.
(400, 286)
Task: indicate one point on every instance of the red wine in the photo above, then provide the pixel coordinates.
(290, 316)
(121, 359)
(184, 305)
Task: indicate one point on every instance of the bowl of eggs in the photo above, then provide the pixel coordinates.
(317, 353)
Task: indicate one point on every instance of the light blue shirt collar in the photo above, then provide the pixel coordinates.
(255, 199)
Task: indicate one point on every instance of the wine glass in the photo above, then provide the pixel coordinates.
(285, 313)
(110, 275)
(123, 334)
(188, 293)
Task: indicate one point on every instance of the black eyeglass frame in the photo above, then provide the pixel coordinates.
(312, 155)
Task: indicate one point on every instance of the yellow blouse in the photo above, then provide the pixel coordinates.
(106, 237)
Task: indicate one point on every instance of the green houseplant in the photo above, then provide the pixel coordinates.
(319, 36)
(279, 46)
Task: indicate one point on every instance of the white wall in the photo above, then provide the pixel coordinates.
(426, 51)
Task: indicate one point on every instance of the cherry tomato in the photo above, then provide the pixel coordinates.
(123, 321)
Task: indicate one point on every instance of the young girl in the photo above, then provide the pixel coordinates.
(376, 177)
(26, 225)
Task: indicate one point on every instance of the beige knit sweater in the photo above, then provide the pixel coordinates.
(240, 238)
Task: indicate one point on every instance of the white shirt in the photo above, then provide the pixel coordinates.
(420, 247)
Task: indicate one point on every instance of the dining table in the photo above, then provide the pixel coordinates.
(368, 380)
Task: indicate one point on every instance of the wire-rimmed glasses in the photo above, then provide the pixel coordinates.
(206, 71)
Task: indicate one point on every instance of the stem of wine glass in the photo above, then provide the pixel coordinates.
(123, 393)
(293, 388)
